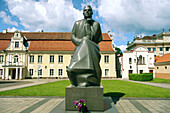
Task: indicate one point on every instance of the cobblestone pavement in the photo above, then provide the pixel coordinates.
(143, 106)
(56, 105)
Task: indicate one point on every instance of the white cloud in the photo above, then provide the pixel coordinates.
(122, 47)
(7, 19)
(137, 16)
(13, 29)
(51, 15)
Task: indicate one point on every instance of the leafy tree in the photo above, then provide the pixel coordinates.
(118, 51)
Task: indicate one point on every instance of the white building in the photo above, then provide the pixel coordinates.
(139, 60)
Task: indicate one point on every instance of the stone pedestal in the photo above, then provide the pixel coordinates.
(92, 95)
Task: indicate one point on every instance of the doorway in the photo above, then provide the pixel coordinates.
(13, 73)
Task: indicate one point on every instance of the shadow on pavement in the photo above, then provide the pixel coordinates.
(114, 95)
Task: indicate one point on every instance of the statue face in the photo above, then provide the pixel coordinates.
(87, 12)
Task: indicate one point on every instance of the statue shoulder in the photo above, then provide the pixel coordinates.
(96, 24)
(78, 22)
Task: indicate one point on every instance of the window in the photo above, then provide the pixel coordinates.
(106, 72)
(15, 58)
(157, 67)
(134, 60)
(31, 72)
(51, 72)
(1, 71)
(130, 60)
(60, 59)
(16, 44)
(140, 59)
(31, 58)
(154, 49)
(60, 72)
(106, 58)
(39, 59)
(40, 72)
(130, 71)
(141, 71)
(165, 67)
(51, 58)
(143, 60)
(150, 71)
(149, 49)
(1, 58)
(167, 48)
(161, 49)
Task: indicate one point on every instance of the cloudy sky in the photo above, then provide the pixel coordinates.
(124, 18)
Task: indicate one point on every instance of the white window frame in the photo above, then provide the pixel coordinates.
(60, 72)
(60, 59)
(51, 73)
(106, 58)
(107, 72)
(31, 72)
(1, 58)
(16, 44)
(15, 59)
(40, 58)
(31, 59)
(51, 58)
(40, 72)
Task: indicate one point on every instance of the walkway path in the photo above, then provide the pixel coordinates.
(162, 85)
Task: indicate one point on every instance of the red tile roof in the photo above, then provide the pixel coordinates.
(164, 58)
(4, 44)
(63, 46)
(53, 41)
(45, 35)
(51, 46)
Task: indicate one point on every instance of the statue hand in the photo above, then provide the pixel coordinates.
(86, 38)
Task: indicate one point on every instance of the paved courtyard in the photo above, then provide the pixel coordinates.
(56, 105)
(12, 104)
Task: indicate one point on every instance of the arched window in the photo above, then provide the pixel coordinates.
(130, 60)
(143, 60)
(140, 59)
(15, 58)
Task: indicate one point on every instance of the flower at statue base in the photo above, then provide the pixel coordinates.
(81, 105)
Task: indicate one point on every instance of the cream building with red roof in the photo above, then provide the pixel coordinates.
(162, 65)
(45, 55)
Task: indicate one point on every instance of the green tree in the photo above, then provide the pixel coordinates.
(118, 51)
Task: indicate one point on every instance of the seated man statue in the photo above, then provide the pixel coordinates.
(84, 69)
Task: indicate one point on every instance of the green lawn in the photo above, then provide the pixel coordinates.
(115, 88)
(160, 80)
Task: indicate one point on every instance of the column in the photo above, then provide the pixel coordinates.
(16, 76)
(20, 73)
(3, 76)
(7, 73)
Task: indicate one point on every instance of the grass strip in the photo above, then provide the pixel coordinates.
(114, 88)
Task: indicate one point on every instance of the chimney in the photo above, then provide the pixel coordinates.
(4, 30)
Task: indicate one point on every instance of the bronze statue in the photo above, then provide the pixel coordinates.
(84, 69)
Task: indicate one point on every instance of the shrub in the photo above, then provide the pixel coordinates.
(141, 77)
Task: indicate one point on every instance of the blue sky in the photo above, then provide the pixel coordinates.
(124, 18)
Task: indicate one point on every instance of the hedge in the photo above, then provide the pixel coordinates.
(141, 77)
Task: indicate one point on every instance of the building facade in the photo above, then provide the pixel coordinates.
(45, 55)
(160, 43)
(139, 60)
(162, 66)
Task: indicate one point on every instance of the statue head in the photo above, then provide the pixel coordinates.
(87, 12)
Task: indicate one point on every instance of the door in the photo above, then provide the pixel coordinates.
(13, 73)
